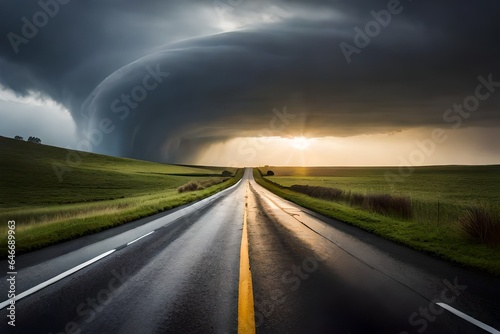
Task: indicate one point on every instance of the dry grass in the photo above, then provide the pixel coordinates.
(332, 194)
(190, 186)
(200, 185)
(389, 205)
(481, 225)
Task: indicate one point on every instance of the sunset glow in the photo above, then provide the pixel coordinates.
(301, 143)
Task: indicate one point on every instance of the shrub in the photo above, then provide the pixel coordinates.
(190, 186)
(270, 173)
(481, 225)
(197, 185)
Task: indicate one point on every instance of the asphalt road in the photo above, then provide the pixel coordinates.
(309, 274)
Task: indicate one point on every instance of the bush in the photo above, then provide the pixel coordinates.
(270, 173)
(190, 186)
(226, 174)
(481, 225)
(197, 185)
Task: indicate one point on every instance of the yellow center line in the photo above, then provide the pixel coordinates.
(246, 314)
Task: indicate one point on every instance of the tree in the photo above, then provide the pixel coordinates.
(35, 140)
(270, 173)
(18, 138)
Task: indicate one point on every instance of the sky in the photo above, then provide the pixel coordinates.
(253, 82)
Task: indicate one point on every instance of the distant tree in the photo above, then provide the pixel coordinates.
(226, 173)
(18, 138)
(35, 140)
(270, 173)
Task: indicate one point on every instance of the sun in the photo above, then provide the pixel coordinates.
(300, 143)
(227, 25)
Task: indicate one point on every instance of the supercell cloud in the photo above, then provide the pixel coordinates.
(162, 80)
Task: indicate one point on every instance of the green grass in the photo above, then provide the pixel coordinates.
(439, 194)
(457, 188)
(97, 193)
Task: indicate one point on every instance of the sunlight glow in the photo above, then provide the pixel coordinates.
(300, 143)
(383, 149)
(227, 25)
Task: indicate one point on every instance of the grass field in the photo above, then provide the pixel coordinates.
(97, 193)
(440, 196)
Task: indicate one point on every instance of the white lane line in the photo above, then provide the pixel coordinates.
(55, 279)
(469, 318)
(145, 235)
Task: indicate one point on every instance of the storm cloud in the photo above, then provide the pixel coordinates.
(161, 80)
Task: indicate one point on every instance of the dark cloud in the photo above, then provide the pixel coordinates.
(93, 54)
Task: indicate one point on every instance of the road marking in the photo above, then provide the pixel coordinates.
(55, 279)
(468, 318)
(145, 235)
(246, 313)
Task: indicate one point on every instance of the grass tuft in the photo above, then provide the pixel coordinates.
(481, 225)
(389, 205)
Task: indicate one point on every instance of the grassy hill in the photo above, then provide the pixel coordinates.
(55, 194)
